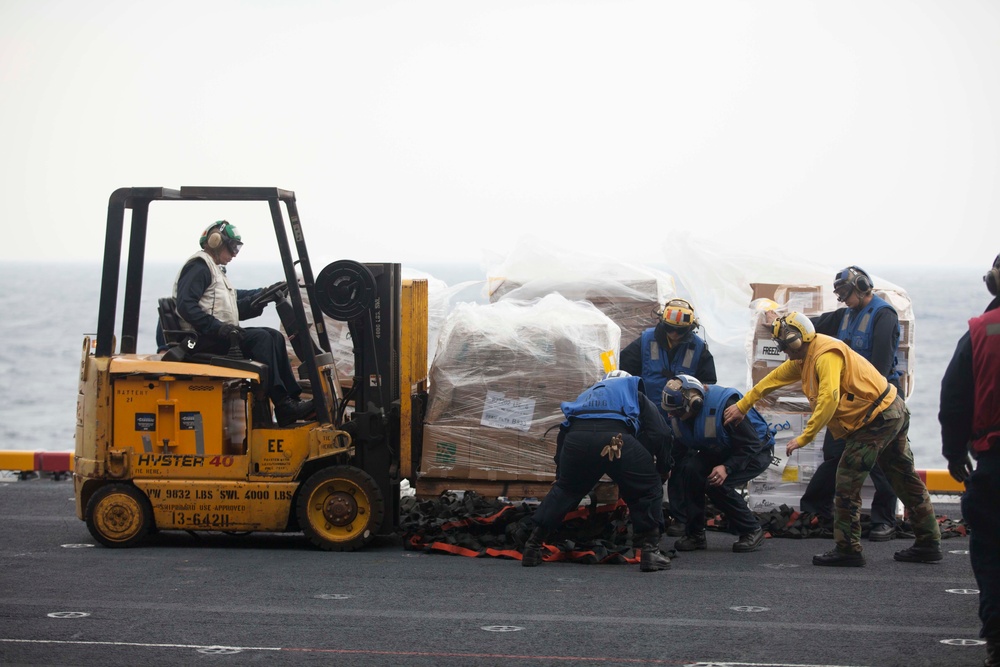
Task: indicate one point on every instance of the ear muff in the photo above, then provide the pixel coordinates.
(683, 393)
(212, 236)
(787, 337)
(214, 239)
(862, 281)
(221, 234)
(992, 277)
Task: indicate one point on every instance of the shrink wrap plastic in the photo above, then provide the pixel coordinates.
(498, 378)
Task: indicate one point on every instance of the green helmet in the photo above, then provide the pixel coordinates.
(219, 233)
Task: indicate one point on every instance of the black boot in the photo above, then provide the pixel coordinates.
(692, 542)
(531, 555)
(652, 559)
(837, 558)
(675, 529)
(749, 541)
(992, 654)
(290, 410)
(920, 553)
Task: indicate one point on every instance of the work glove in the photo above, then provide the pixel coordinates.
(227, 330)
(253, 311)
(613, 450)
(960, 469)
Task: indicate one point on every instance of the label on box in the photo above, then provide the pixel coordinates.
(767, 350)
(803, 302)
(502, 412)
(903, 359)
(785, 424)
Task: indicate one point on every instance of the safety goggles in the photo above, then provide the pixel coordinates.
(670, 328)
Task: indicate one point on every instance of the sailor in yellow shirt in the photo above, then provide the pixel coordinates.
(855, 403)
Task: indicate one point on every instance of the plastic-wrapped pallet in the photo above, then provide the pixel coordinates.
(498, 379)
(632, 296)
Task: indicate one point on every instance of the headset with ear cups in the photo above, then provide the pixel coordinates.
(862, 281)
(683, 393)
(221, 233)
(992, 277)
(785, 336)
(214, 238)
(790, 331)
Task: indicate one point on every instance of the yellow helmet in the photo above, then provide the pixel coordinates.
(790, 331)
(679, 314)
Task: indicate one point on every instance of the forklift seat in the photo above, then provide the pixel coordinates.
(174, 342)
(178, 345)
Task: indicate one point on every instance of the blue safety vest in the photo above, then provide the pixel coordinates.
(706, 431)
(856, 328)
(615, 398)
(657, 367)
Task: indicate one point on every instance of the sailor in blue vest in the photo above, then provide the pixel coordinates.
(722, 459)
(612, 429)
(670, 348)
(870, 326)
(970, 423)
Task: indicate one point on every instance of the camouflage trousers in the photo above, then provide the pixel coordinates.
(884, 440)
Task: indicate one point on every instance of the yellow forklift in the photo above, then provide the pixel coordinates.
(174, 440)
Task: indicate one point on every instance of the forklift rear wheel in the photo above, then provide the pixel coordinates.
(119, 516)
(340, 508)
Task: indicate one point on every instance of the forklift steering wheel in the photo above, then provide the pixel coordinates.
(274, 293)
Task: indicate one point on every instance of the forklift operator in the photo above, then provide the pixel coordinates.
(209, 305)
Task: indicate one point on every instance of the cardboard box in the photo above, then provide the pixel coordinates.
(903, 359)
(905, 332)
(806, 299)
(447, 451)
(633, 305)
(790, 493)
(763, 290)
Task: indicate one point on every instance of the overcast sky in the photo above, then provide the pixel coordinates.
(862, 132)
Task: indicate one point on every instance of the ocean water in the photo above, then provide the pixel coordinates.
(48, 308)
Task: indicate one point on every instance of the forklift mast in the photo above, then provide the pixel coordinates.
(375, 426)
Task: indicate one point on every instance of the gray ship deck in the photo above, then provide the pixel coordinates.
(275, 600)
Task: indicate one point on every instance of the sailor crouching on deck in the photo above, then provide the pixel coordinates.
(613, 429)
(720, 459)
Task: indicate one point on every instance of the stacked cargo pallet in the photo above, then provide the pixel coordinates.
(787, 409)
(502, 370)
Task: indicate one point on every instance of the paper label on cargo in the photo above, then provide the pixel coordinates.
(767, 350)
(786, 425)
(779, 460)
(503, 412)
(802, 302)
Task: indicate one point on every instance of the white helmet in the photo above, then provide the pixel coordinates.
(617, 373)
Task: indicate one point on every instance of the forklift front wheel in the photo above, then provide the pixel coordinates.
(340, 508)
(119, 515)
